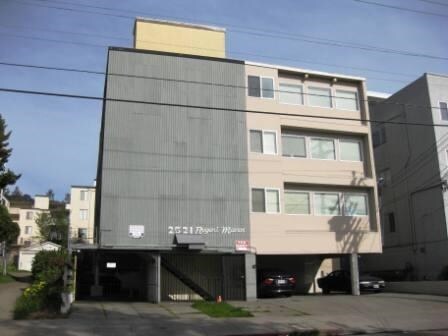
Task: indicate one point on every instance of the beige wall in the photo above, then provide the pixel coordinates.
(42, 202)
(179, 38)
(24, 221)
(76, 206)
(312, 234)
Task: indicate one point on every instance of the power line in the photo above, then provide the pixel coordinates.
(284, 35)
(373, 3)
(434, 2)
(212, 84)
(66, 95)
(232, 52)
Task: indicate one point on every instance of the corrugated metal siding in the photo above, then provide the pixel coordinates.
(170, 166)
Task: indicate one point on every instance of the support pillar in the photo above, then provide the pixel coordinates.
(250, 276)
(153, 277)
(354, 273)
(96, 290)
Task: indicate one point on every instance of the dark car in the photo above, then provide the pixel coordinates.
(339, 281)
(273, 282)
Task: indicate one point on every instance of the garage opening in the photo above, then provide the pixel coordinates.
(121, 276)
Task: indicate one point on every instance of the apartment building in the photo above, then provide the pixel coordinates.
(411, 164)
(25, 216)
(82, 213)
(195, 193)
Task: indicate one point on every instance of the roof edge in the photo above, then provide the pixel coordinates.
(180, 24)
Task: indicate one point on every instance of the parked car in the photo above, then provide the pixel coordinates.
(274, 282)
(340, 281)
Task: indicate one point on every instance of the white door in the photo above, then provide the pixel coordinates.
(26, 261)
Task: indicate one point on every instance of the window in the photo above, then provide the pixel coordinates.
(379, 135)
(83, 195)
(82, 233)
(297, 202)
(347, 100)
(290, 94)
(28, 230)
(322, 149)
(293, 145)
(83, 214)
(263, 142)
(355, 205)
(258, 201)
(320, 97)
(29, 215)
(265, 200)
(272, 201)
(326, 204)
(443, 110)
(391, 220)
(350, 150)
(261, 86)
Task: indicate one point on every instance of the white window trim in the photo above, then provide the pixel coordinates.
(86, 211)
(307, 154)
(265, 200)
(310, 198)
(352, 140)
(440, 110)
(320, 87)
(340, 200)
(366, 197)
(324, 138)
(349, 91)
(292, 84)
(273, 87)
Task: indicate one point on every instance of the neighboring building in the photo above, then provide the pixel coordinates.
(25, 215)
(412, 166)
(27, 254)
(192, 201)
(82, 213)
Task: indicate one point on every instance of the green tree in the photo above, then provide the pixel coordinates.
(9, 231)
(53, 226)
(7, 177)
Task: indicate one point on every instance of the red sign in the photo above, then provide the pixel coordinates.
(242, 245)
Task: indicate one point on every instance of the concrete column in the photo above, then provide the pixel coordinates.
(250, 276)
(153, 277)
(354, 271)
(96, 290)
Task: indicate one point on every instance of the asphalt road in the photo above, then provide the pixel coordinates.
(384, 314)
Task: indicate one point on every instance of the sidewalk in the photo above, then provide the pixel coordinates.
(9, 292)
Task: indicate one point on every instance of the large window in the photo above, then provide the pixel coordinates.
(297, 202)
(83, 195)
(293, 145)
(326, 204)
(82, 233)
(347, 100)
(29, 215)
(260, 86)
(350, 150)
(28, 230)
(443, 110)
(265, 200)
(290, 94)
(355, 205)
(320, 97)
(263, 142)
(322, 148)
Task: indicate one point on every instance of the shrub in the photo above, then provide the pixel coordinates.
(32, 300)
(48, 266)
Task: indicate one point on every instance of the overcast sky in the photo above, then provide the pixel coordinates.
(55, 140)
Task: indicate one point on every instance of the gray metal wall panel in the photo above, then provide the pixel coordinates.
(171, 166)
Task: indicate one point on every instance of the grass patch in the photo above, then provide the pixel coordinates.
(5, 279)
(222, 309)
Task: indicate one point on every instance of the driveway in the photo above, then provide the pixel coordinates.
(9, 292)
(376, 313)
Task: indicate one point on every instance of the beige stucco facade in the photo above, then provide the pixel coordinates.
(177, 37)
(281, 233)
(82, 213)
(26, 219)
